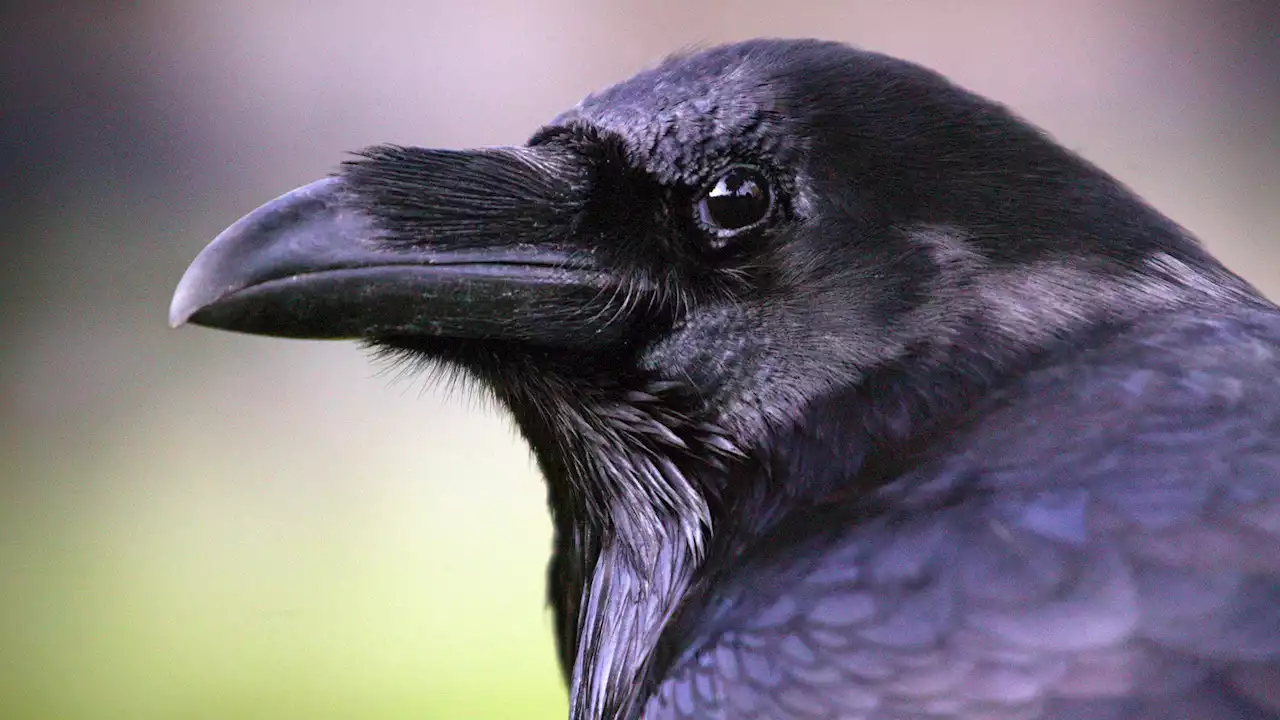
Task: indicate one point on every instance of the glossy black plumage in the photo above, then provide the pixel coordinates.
(959, 429)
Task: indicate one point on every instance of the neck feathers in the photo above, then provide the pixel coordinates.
(633, 479)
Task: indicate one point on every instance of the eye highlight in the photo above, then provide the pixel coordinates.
(739, 200)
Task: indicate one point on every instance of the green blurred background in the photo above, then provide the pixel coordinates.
(202, 525)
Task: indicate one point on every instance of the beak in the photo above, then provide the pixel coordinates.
(325, 262)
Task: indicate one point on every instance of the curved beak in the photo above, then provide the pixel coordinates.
(313, 264)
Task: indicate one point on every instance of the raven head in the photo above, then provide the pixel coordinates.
(669, 277)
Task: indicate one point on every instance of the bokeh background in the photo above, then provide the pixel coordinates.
(202, 525)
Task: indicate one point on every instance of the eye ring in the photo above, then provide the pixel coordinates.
(739, 200)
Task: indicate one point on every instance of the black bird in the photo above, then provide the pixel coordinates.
(856, 395)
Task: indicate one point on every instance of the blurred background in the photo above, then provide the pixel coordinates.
(197, 524)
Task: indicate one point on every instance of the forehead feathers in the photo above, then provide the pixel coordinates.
(692, 115)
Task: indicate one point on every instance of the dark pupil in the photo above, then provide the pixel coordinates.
(738, 200)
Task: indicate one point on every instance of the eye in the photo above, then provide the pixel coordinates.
(739, 200)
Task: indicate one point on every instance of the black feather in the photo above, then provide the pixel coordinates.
(882, 459)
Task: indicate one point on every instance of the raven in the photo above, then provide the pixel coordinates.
(856, 395)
